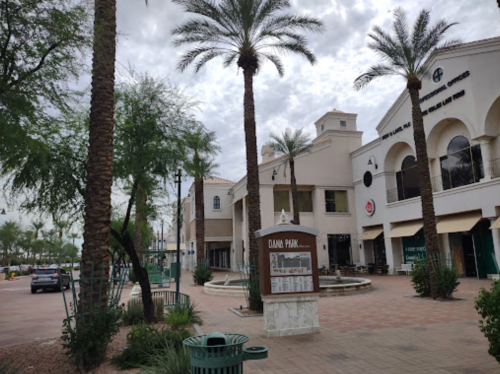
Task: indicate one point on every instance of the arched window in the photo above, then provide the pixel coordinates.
(462, 164)
(407, 179)
(216, 202)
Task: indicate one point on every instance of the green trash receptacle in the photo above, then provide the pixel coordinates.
(173, 270)
(219, 353)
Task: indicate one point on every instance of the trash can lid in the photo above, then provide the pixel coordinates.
(215, 339)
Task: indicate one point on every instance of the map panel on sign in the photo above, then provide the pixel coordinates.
(290, 263)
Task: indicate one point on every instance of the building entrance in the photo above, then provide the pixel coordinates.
(379, 250)
(219, 255)
(339, 249)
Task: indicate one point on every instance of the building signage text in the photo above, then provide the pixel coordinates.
(443, 87)
(287, 243)
(443, 103)
(399, 129)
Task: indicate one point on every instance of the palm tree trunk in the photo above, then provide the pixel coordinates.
(140, 217)
(100, 159)
(200, 220)
(254, 222)
(295, 194)
(428, 213)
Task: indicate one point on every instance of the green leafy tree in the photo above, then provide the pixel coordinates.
(245, 32)
(28, 240)
(291, 144)
(406, 54)
(152, 118)
(41, 46)
(488, 306)
(202, 145)
(10, 233)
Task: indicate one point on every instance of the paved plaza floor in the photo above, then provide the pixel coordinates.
(384, 331)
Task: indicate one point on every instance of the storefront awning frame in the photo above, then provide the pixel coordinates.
(371, 233)
(406, 228)
(458, 222)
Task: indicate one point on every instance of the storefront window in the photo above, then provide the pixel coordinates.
(336, 201)
(281, 201)
(305, 201)
(407, 179)
(462, 165)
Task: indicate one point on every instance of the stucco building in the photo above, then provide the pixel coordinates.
(365, 199)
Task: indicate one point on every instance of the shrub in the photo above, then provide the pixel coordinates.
(488, 306)
(180, 312)
(446, 281)
(76, 268)
(202, 273)
(145, 342)
(172, 362)
(420, 277)
(134, 314)
(87, 337)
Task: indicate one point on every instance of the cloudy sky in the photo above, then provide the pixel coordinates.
(306, 92)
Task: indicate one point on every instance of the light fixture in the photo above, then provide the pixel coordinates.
(370, 161)
(274, 173)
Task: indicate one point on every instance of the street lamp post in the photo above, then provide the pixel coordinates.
(160, 285)
(177, 273)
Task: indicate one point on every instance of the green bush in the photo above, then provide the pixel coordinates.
(488, 306)
(446, 281)
(87, 337)
(202, 273)
(172, 362)
(76, 268)
(144, 342)
(134, 314)
(183, 315)
(420, 278)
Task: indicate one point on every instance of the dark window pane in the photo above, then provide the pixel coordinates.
(410, 180)
(458, 143)
(399, 182)
(216, 202)
(460, 164)
(408, 162)
(281, 201)
(477, 161)
(330, 201)
(305, 201)
(445, 174)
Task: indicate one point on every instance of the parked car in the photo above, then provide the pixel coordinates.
(4, 269)
(13, 268)
(49, 278)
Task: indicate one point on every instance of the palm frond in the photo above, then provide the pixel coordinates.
(276, 61)
(189, 56)
(207, 56)
(376, 71)
(293, 47)
(290, 143)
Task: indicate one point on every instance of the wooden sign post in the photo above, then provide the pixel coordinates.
(288, 277)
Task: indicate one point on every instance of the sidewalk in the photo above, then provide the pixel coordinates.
(384, 331)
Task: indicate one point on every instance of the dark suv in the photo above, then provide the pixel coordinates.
(49, 278)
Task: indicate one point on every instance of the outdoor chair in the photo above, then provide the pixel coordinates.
(404, 268)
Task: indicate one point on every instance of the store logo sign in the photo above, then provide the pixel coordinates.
(370, 207)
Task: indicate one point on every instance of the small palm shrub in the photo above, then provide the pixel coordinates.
(87, 336)
(144, 342)
(488, 306)
(182, 315)
(202, 273)
(135, 311)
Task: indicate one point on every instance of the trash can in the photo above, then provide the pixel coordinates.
(219, 353)
(173, 270)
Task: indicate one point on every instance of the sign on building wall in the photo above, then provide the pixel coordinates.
(413, 248)
(370, 207)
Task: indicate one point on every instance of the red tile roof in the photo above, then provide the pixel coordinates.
(217, 180)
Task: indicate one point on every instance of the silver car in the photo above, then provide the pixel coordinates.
(47, 278)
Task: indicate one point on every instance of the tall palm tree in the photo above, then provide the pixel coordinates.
(202, 145)
(37, 226)
(9, 235)
(406, 54)
(291, 144)
(247, 32)
(97, 226)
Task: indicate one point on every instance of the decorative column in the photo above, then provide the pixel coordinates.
(486, 155)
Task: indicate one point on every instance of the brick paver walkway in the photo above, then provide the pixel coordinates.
(385, 331)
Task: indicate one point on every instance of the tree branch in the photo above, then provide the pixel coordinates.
(129, 207)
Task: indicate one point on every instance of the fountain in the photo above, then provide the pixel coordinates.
(328, 286)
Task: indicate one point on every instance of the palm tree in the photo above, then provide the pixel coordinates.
(247, 32)
(37, 226)
(9, 235)
(291, 144)
(202, 145)
(97, 226)
(407, 54)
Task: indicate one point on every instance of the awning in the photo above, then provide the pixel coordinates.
(496, 225)
(371, 233)
(401, 229)
(458, 222)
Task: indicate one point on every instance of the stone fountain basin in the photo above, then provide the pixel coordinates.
(328, 286)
